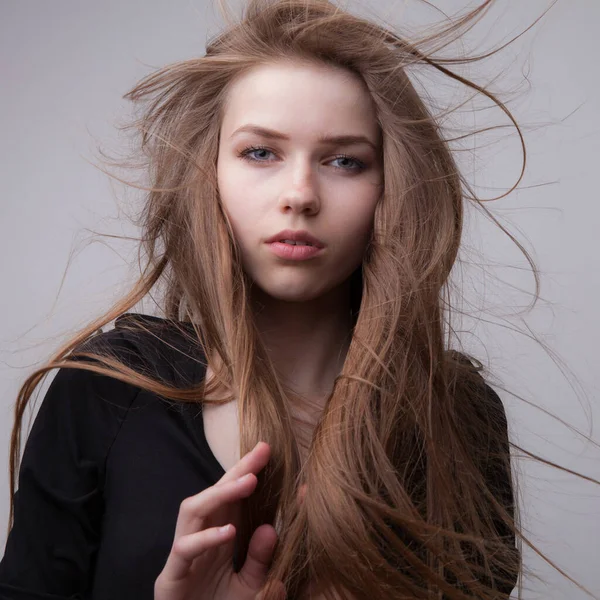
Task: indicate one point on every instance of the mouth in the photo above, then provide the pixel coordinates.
(293, 243)
(296, 238)
(294, 252)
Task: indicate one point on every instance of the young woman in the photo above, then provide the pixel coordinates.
(296, 424)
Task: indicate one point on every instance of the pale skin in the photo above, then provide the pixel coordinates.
(301, 308)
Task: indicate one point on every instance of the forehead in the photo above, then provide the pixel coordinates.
(300, 98)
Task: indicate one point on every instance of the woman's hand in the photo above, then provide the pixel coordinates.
(200, 564)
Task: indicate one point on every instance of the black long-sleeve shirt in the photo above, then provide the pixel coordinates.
(104, 471)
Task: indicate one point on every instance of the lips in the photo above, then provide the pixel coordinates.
(294, 252)
(296, 236)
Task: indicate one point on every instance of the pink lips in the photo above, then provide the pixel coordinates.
(296, 236)
(295, 252)
(290, 252)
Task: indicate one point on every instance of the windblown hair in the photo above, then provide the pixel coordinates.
(400, 502)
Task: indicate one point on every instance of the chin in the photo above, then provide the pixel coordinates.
(291, 293)
(290, 296)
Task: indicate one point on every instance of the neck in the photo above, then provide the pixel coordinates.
(306, 341)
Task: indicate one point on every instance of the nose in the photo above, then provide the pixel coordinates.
(300, 198)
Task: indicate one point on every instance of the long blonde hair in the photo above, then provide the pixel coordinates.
(403, 496)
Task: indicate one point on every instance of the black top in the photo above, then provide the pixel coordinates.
(101, 483)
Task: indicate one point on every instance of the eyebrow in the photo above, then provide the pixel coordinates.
(339, 140)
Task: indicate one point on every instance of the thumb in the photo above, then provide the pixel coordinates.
(258, 558)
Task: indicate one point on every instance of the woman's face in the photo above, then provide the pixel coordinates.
(285, 177)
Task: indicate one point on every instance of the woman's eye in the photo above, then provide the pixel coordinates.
(359, 165)
(247, 153)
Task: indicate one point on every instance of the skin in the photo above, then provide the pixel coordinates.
(301, 308)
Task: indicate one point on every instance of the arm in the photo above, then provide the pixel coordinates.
(499, 476)
(58, 504)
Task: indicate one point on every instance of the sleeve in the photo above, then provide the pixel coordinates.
(491, 447)
(499, 479)
(58, 505)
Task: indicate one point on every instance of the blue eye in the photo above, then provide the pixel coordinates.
(247, 152)
(359, 165)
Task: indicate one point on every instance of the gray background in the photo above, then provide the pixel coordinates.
(64, 67)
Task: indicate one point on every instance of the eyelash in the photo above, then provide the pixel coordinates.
(246, 152)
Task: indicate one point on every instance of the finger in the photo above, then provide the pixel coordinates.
(262, 545)
(252, 462)
(194, 510)
(189, 547)
(189, 520)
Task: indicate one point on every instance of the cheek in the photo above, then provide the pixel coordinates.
(358, 224)
(235, 201)
(239, 220)
(245, 216)
(354, 234)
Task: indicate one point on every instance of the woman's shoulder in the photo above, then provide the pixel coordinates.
(475, 380)
(85, 400)
(478, 406)
(483, 420)
(160, 348)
